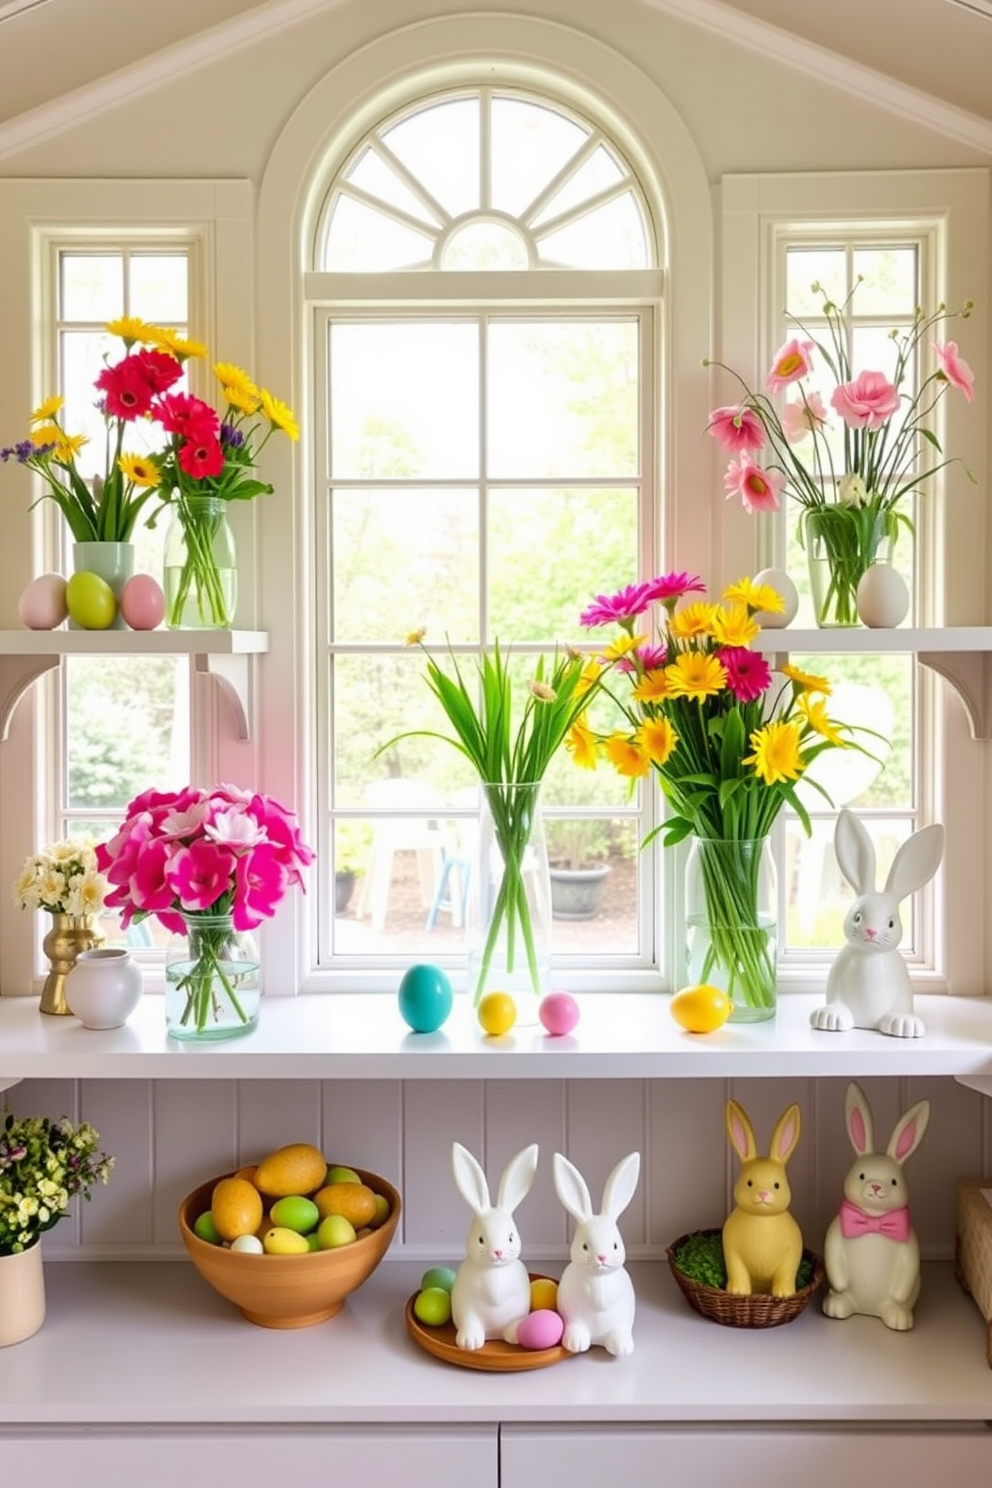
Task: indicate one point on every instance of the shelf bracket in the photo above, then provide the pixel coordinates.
(970, 674)
(232, 675)
(17, 673)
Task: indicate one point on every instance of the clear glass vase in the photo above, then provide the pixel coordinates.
(201, 566)
(842, 543)
(731, 908)
(212, 984)
(509, 923)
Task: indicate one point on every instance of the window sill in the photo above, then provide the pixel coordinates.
(351, 1036)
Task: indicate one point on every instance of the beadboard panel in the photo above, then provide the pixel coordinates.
(168, 1135)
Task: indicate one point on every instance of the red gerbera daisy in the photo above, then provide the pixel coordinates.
(201, 457)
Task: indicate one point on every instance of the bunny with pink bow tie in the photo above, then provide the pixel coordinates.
(871, 1254)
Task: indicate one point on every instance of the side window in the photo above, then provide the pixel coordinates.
(123, 720)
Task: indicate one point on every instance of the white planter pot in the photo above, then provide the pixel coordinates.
(22, 1295)
(104, 987)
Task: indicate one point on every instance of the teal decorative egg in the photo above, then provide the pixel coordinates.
(425, 997)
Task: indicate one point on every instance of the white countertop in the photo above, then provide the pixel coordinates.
(150, 1342)
(362, 1036)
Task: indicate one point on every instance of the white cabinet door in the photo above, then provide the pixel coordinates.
(718, 1456)
(107, 1458)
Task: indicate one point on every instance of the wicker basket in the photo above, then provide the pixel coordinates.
(760, 1310)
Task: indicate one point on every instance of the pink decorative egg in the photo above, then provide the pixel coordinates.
(540, 1330)
(559, 1012)
(42, 605)
(142, 602)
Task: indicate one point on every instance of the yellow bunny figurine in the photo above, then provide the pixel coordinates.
(762, 1243)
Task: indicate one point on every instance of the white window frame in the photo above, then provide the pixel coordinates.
(949, 209)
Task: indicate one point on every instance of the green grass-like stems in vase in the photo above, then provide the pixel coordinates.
(209, 956)
(700, 1258)
(200, 519)
(739, 942)
(505, 758)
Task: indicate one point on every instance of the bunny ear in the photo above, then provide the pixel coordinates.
(740, 1131)
(855, 852)
(620, 1185)
(857, 1117)
(470, 1180)
(908, 1133)
(518, 1175)
(916, 861)
(785, 1137)
(571, 1188)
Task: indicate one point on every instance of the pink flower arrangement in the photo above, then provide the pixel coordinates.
(220, 852)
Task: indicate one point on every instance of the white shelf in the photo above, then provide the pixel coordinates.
(962, 655)
(140, 1343)
(224, 655)
(362, 1037)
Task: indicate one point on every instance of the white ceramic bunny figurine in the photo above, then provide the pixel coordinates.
(595, 1294)
(868, 985)
(491, 1294)
(871, 1254)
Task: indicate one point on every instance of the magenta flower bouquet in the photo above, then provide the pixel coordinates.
(208, 865)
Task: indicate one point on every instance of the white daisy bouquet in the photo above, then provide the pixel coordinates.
(63, 878)
(43, 1164)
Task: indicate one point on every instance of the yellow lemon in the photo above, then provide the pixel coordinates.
(298, 1168)
(497, 1013)
(236, 1208)
(702, 1008)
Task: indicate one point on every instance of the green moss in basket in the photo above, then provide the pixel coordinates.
(700, 1257)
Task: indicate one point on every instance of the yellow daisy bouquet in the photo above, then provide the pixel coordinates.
(726, 738)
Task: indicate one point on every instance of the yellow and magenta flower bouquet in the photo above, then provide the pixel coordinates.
(726, 738)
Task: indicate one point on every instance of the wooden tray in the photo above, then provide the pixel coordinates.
(494, 1355)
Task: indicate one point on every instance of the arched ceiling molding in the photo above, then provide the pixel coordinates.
(221, 42)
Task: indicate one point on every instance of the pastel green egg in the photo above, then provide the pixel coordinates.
(296, 1213)
(433, 1306)
(206, 1229)
(438, 1276)
(90, 601)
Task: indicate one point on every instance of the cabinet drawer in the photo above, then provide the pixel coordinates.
(750, 1457)
(445, 1457)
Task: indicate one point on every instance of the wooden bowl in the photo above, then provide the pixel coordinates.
(288, 1291)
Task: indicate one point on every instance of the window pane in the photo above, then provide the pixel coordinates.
(402, 559)
(611, 237)
(362, 239)
(562, 398)
(819, 895)
(92, 286)
(440, 146)
(404, 400)
(485, 245)
(593, 176)
(159, 288)
(808, 266)
(889, 280)
(530, 145)
(551, 550)
(377, 177)
(127, 728)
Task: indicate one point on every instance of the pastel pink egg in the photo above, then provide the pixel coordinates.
(42, 605)
(142, 602)
(540, 1330)
(559, 1012)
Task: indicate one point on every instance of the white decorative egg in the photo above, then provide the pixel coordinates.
(248, 1245)
(778, 579)
(883, 597)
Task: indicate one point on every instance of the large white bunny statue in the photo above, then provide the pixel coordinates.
(871, 1254)
(868, 985)
(491, 1293)
(595, 1294)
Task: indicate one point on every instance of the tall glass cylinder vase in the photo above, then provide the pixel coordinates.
(842, 543)
(212, 985)
(731, 908)
(201, 566)
(509, 926)
(65, 938)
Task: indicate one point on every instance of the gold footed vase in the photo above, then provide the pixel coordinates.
(69, 935)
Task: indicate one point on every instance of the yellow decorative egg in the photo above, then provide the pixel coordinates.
(354, 1201)
(497, 1013)
(280, 1241)
(702, 1008)
(298, 1168)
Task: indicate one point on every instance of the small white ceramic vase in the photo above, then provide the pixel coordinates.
(22, 1295)
(104, 987)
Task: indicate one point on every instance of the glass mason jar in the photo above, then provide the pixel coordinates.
(509, 921)
(842, 543)
(201, 566)
(731, 909)
(212, 984)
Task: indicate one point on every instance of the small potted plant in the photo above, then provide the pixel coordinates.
(577, 850)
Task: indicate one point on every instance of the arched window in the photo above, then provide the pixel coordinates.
(485, 304)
